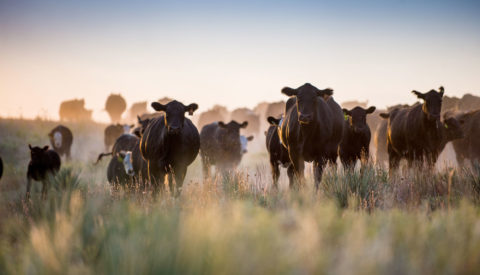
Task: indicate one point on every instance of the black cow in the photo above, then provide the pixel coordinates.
(169, 144)
(61, 139)
(220, 145)
(414, 132)
(312, 128)
(120, 168)
(113, 131)
(277, 152)
(356, 137)
(469, 146)
(43, 162)
(143, 123)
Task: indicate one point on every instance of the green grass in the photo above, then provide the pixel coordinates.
(413, 223)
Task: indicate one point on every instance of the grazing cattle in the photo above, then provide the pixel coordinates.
(61, 139)
(137, 108)
(356, 137)
(115, 106)
(169, 144)
(469, 146)
(220, 145)
(413, 132)
(43, 162)
(74, 110)
(245, 114)
(217, 113)
(277, 152)
(312, 130)
(468, 103)
(1, 167)
(112, 132)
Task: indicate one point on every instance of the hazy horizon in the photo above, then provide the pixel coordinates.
(232, 53)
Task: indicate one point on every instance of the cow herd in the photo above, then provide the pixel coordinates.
(312, 127)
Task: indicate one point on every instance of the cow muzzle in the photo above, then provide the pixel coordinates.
(174, 130)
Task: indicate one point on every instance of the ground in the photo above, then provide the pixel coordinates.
(415, 222)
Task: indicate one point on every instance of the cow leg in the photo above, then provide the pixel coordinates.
(298, 167)
(156, 177)
(179, 174)
(44, 189)
(291, 175)
(318, 167)
(206, 167)
(275, 173)
(29, 184)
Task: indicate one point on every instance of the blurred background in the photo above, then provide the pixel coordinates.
(234, 53)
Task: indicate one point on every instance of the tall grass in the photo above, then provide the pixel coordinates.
(416, 222)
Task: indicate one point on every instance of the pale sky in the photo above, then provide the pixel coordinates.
(235, 53)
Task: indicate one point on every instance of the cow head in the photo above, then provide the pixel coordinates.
(230, 136)
(174, 114)
(143, 125)
(432, 103)
(243, 142)
(453, 127)
(125, 157)
(357, 118)
(36, 153)
(56, 138)
(306, 102)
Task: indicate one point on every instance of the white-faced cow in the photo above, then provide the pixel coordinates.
(312, 130)
(61, 139)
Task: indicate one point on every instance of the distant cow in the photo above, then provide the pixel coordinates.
(245, 114)
(112, 132)
(61, 139)
(312, 128)
(469, 146)
(220, 145)
(137, 108)
(217, 113)
(169, 144)
(1, 167)
(356, 137)
(275, 109)
(115, 106)
(74, 110)
(413, 132)
(277, 152)
(120, 168)
(43, 162)
(468, 103)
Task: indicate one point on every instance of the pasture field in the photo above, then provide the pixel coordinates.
(416, 222)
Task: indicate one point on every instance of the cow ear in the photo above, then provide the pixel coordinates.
(289, 91)
(138, 119)
(326, 92)
(442, 90)
(157, 106)
(45, 148)
(371, 109)
(191, 108)
(250, 138)
(244, 124)
(418, 94)
(222, 125)
(384, 115)
(50, 134)
(273, 121)
(347, 112)
(131, 125)
(30, 146)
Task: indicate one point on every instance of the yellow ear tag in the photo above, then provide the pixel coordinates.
(346, 117)
(446, 126)
(120, 159)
